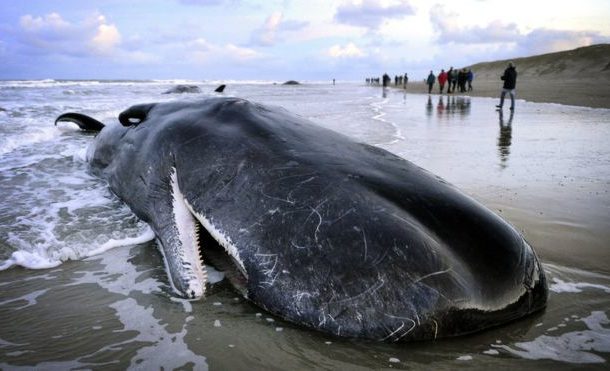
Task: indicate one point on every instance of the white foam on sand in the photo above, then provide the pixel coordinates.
(379, 116)
(27, 259)
(60, 212)
(147, 235)
(561, 286)
(572, 347)
(44, 255)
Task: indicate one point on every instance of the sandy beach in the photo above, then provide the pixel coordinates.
(593, 94)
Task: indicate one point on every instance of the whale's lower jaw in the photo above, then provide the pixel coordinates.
(183, 250)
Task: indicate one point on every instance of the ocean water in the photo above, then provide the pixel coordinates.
(83, 286)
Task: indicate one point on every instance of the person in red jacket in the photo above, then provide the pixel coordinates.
(442, 79)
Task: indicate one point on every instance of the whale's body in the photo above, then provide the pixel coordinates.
(328, 233)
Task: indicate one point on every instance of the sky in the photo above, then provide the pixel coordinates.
(309, 40)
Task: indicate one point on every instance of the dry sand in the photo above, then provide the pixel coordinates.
(594, 94)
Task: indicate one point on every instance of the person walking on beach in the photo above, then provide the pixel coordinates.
(430, 81)
(449, 79)
(442, 79)
(453, 79)
(385, 80)
(405, 81)
(510, 81)
(461, 81)
(469, 78)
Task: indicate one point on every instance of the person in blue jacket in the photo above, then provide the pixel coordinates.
(510, 82)
(430, 81)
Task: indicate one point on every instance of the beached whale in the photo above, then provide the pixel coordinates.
(181, 89)
(325, 232)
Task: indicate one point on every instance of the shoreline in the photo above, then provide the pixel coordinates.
(593, 94)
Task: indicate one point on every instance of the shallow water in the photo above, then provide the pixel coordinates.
(83, 286)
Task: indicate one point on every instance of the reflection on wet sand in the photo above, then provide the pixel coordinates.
(440, 107)
(454, 105)
(505, 138)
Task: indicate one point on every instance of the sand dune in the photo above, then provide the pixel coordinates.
(579, 77)
(586, 63)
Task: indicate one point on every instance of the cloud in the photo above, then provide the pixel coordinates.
(106, 39)
(51, 34)
(49, 23)
(273, 28)
(265, 36)
(348, 51)
(240, 53)
(202, 51)
(545, 40)
(53, 39)
(372, 13)
(447, 25)
(507, 36)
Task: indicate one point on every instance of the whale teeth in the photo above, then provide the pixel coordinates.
(198, 242)
(189, 270)
(222, 240)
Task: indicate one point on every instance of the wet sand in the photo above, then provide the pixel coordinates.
(595, 94)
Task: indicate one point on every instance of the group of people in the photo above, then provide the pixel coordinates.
(399, 80)
(454, 78)
(460, 79)
(465, 76)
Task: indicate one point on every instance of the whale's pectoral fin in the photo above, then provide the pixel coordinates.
(135, 115)
(83, 121)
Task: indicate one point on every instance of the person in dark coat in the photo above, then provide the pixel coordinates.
(510, 82)
(461, 81)
(430, 81)
(449, 79)
(385, 80)
(454, 79)
(469, 78)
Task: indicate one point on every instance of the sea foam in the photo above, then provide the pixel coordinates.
(572, 347)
